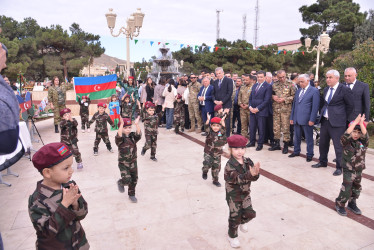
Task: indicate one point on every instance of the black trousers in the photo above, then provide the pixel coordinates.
(187, 122)
(269, 130)
(236, 117)
(257, 122)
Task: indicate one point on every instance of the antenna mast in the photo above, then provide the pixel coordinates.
(256, 24)
(218, 12)
(244, 27)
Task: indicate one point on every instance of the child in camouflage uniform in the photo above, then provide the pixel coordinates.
(101, 129)
(239, 173)
(215, 140)
(151, 120)
(126, 106)
(219, 111)
(84, 112)
(57, 206)
(68, 135)
(179, 114)
(127, 156)
(355, 142)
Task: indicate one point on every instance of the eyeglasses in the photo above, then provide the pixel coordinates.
(193, 77)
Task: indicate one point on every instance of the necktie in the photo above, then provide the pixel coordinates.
(301, 95)
(258, 86)
(329, 99)
(203, 95)
(219, 83)
(349, 85)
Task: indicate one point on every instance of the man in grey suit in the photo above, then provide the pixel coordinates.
(361, 95)
(304, 115)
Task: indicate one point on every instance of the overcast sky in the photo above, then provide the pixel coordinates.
(183, 22)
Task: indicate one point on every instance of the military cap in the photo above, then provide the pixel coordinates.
(179, 96)
(50, 155)
(149, 105)
(131, 77)
(101, 104)
(215, 120)
(126, 122)
(237, 141)
(217, 107)
(127, 96)
(84, 97)
(64, 111)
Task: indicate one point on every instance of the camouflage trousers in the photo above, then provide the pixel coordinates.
(129, 175)
(85, 120)
(56, 113)
(240, 213)
(351, 186)
(193, 109)
(179, 119)
(281, 123)
(213, 162)
(150, 143)
(75, 151)
(105, 138)
(244, 118)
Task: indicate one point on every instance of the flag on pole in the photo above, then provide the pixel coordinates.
(97, 87)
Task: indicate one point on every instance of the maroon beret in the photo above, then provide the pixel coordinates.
(84, 97)
(50, 155)
(149, 105)
(127, 96)
(64, 111)
(179, 96)
(215, 120)
(237, 141)
(101, 104)
(131, 77)
(126, 122)
(217, 107)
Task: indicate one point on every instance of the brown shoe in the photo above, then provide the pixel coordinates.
(198, 131)
(191, 129)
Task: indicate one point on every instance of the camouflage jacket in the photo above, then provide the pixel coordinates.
(238, 179)
(69, 131)
(53, 93)
(179, 109)
(101, 121)
(214, 141)
(151, 123)
(354, 152)
(57, 227)
(127, 146)
(126, 109)
(220, 115)
(84, 106)
(194, 89)
(244, 93)
(283, 90)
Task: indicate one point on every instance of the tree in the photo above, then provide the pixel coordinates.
(366, 30)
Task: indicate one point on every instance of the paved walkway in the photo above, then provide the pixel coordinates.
(177, 209)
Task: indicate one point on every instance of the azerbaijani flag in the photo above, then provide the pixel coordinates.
(98, 87)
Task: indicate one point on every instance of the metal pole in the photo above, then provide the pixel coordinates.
(128, 55)
(317, 66)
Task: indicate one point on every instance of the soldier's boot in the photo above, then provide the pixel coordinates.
(133, 198)
(234, 242)
(340, 210)
(205, 175)
(276, 146)
(80, 165)
(110, 149)
(243, 228)
(95, 151)
(143, 151)
(198, 130)
(216, 183)
(121, 187)
(56, 129)
(177, 129)
(285, 147)
(192, 129)
(153, 158)
(353, 207)
(182, 129)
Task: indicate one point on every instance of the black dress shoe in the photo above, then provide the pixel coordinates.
(249, 145)
(334, 160)
(319, 165)
(337, 172)
(259, 148)
(309, 158)
(293, 155)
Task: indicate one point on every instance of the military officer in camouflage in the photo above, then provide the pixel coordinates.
(193, 104)
(283, 94)
(239, 173)
(243, 102)
(127, 156)
(151, 121)
(84, 112)
(101, 129)
(214, 141)
(69, 135)
(179, 114)
(57, 206)
(355, 142)
(57, 97)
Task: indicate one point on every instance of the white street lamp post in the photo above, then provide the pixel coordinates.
(134, 23)
(323, 45)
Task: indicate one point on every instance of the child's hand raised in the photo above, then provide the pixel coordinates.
(136, 122)
(70, 195)
(362, 119)
(358, 119)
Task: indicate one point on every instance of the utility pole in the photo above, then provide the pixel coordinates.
(256, 24)
(218, 12)
(244, 27)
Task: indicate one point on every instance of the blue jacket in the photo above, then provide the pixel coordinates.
(209, 104)
(305, 110)
(261, 99)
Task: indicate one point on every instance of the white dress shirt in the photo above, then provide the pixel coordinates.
(327, 97)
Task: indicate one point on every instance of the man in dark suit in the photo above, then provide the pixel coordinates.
(361, 95)
(269, 128)
(205, 100)
(303, 115)
(236, 107)
(259, 108)
(338, 106)
(222, 92)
